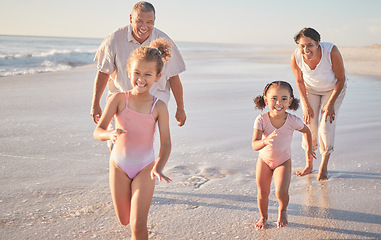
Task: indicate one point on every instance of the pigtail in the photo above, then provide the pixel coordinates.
(294, 104)
(259, 102)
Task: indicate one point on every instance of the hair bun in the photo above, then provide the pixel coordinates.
(163, 46)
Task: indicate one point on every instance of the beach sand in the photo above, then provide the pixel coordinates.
(54, 175)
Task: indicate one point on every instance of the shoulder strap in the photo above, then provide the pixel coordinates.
(127, 96)
(155, 99)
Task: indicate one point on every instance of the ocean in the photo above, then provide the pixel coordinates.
(20, 55)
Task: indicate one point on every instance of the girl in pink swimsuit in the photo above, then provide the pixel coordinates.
(272, 137)
(132, 162)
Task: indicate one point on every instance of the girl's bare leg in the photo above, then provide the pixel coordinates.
(282, 178)
(264, 176)
(120, 186)
(142, 191)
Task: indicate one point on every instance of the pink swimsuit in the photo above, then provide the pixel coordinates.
(133, 150)
(280, 151)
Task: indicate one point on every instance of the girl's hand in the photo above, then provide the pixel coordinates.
(270, 138)
(329, 111)
(308, 114)
(115, 134)
(159, 174)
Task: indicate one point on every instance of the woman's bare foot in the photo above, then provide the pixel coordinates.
(305, 171)
(261, 223)
(323, 169)
(282, 220)
(323, 175)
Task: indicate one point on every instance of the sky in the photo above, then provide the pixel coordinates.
(266, 22)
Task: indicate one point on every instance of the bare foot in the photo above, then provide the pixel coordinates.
(322, 176)
(261, 224)
(323, 171)
(305, 171)
(282, 220)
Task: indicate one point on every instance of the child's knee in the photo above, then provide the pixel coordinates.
(138, 225)
(124, 221)
(263, 193)
(123, 217)
(281, 193)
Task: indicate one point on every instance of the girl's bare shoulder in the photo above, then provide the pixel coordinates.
(161, 106)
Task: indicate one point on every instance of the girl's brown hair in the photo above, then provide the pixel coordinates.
(158, 51)
(260, 101)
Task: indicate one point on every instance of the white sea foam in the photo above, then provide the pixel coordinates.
(21, 55)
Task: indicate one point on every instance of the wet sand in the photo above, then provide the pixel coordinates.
(54, 175)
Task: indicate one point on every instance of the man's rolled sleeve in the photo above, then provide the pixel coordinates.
(104, 57)
(176, 64)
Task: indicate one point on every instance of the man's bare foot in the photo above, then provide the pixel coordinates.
(282, 220)
(261, 224)
(305, 171)
(322, 176)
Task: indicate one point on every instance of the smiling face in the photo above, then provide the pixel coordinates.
(143, 75)
(142, 24)
(278, 99)
(309, 48)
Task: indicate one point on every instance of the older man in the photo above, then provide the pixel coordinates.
(115, 50)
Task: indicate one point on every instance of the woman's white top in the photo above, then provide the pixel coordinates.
(322, 78)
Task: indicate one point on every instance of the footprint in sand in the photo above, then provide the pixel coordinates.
(199, 176)
(214, 173)
(182, 170)
(197, 181)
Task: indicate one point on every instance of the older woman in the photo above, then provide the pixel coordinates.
(320, 77)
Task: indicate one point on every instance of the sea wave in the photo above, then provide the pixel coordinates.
(43, 61)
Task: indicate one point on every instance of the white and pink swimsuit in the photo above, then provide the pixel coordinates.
(280, 151)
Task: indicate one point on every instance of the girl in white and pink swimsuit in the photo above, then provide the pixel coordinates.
(133, 150)
(272, 137)
(132, 161)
